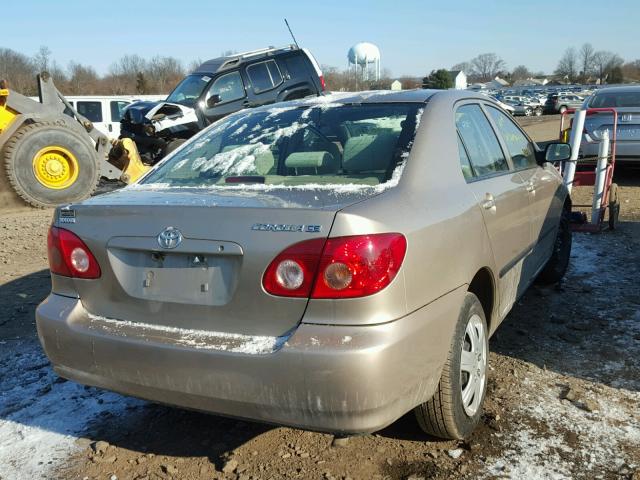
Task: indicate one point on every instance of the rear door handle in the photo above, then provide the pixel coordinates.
(489, 202)
(531, 188)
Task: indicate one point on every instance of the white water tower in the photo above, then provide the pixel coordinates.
(365, 59)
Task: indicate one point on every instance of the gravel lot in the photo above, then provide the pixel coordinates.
(562, 401)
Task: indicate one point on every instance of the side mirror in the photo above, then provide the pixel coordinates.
(213, 100)
(557, 152)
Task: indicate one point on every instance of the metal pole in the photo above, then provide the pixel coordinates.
(601, 175)
(574, 140)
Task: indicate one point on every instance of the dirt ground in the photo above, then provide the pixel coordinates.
(562, 399)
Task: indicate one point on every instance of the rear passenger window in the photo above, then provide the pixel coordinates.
(295, 64)
(117, 109)
(520, 148)
(480, 141)
(264, 75)
(465, 165)
(91, 110)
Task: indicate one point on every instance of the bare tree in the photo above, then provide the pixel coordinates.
(41, 59)
(123, 74)
(586, 59)
(487, 66)
(631, 70)
(83, 80)
(18, 70)
(520, 73)
(568, 64)
(193, 64)
(463, 66)
(605, 62)
(164, 73)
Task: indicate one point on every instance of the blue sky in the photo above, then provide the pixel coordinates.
(414, 36)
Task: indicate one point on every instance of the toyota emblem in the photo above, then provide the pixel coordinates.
(170, 238)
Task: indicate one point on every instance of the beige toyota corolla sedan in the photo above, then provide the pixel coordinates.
(328, 264)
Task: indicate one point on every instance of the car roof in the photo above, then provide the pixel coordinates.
(418, 95)
(624, 89)
(219, 64)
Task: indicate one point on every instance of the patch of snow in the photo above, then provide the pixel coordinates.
(242, 128)
(200, 339)
(179, 165)
(584, 258)
(42, 416)
(238, 161)
(419, 118)
(535, 455)
(272, 112)
(457, 453)
(347, 339)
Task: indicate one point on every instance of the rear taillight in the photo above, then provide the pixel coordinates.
(322, 83)
(359, 266)
(347, 267)
(292, 272)
(69, 256)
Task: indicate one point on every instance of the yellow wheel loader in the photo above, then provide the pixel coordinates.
(52, 155)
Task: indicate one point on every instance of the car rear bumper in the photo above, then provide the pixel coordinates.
(351, 379)
(625, 150)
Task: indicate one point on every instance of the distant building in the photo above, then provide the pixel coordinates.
(497, 83)
(531, 81)
(396, 85)
(459, 79)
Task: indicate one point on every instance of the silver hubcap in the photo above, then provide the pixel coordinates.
(473, 365)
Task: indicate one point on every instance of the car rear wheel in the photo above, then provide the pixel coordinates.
(558, 263)
(456, 406)
(538, 112)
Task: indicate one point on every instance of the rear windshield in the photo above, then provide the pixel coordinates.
(619, 99)
(317, 145)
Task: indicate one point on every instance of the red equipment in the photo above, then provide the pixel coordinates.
(588, 178)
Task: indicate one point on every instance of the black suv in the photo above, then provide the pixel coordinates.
(218, 88)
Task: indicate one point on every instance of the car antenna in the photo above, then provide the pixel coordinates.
(292, 36)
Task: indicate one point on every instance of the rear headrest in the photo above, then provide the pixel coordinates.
(366, 153)
(318, 160)
(265, 162)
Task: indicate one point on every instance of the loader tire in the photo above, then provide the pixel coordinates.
(48, 164)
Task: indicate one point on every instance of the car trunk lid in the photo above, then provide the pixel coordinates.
(212, 279)
(628, 124)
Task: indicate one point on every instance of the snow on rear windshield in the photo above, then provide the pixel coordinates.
(328, 145)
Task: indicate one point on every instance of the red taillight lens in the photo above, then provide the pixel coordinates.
(359, 266)
(69, 256)
(292, 272)
(322, 83)
(346, 267)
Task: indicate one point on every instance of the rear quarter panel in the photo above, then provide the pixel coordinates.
(432, 206)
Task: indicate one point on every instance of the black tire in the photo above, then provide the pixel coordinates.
(558, 263)
(614, 207)
(21, 149)
(444, 415)
(538, 112)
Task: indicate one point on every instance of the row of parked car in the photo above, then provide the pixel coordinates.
(539, 103)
